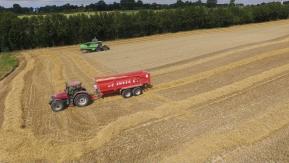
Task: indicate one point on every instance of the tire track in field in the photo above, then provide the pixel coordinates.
(209, 73)
(38, 113)
(56, 72)
(165, 100)
(225, 78)
(244, 134)
(70, 123)
(77, 125)
(273, 147)
(171, 109)
(83, 65)
(169, 134)
(43, 148)
(72, 72)
(74, 117)
(48, 76)
(206, 74)
(217, 99)
(179, 66)
(75, 150)
(29, 97)
(92, 72)
(22, 143)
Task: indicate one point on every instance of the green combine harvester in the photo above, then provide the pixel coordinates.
(93, 46)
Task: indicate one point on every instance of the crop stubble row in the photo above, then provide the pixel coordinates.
(70, 134)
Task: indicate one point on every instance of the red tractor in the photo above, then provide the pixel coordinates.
(74, 94)
(127, 85)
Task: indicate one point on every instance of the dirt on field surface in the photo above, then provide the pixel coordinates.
(219, 95)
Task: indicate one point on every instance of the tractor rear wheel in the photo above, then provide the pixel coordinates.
(81, 100)
(126, 93)
(57, 106)
(137, 91)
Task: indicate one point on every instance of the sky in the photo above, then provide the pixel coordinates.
(39, 3)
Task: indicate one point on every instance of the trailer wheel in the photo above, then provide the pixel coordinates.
(57, 106)
(81, 100)
(126, 93)
(137, 91)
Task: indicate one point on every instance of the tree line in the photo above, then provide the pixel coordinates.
(102, 6)
(58, 29)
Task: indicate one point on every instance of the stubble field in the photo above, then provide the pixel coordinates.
(218, 95)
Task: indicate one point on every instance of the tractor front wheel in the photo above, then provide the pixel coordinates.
(82, 100)
(57, 106)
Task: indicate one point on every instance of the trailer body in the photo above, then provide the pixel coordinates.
(117, 83)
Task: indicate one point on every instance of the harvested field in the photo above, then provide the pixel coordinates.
(219, 95)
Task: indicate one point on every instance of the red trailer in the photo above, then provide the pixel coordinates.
(127, 85)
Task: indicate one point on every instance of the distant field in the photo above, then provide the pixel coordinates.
(7, 63)
(78, 13)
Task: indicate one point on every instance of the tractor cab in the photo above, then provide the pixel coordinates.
(73, 87)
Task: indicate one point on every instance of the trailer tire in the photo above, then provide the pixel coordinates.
(57, 106)
(81, 100)
(126, 93)
(137, 91)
